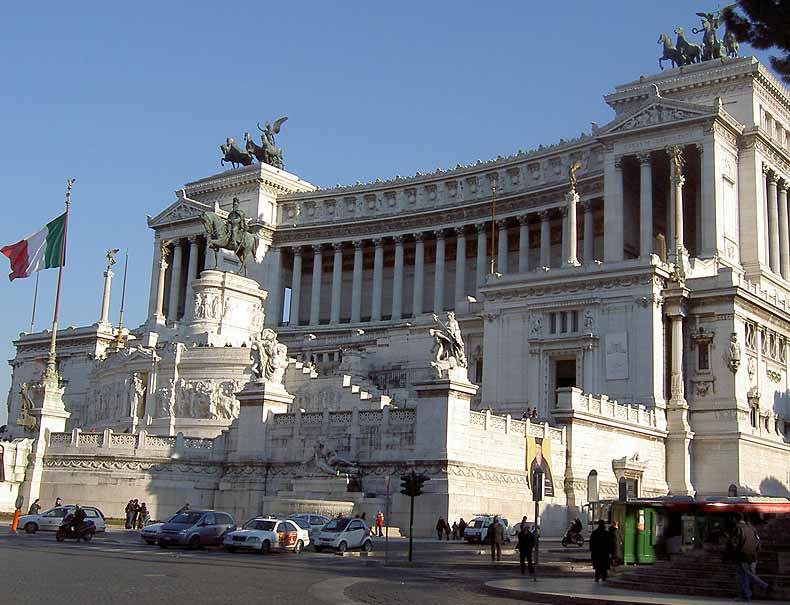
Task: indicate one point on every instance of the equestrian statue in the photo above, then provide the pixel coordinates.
(234, 234)
(266, 153)
(687, 53)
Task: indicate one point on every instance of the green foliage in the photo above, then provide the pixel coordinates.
(764, 24)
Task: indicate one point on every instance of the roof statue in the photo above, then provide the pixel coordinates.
(448, 349)
(572, 169)
(266, 153)
(232, 233)
(26, 420)
(111, 257)
(686, 53)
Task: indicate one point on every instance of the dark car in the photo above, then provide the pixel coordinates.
(196, 528)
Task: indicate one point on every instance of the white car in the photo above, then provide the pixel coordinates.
(150, 533)
(51, 519)
(266, 535)
(477, 530)
(316, 522)
(342, 534)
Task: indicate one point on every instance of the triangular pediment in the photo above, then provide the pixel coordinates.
(182, 210)
(657, 111)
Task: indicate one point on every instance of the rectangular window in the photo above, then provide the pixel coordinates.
(575, 317)
(563, 322)
(552, 323)
(703, 359)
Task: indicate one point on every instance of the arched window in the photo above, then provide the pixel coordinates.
(592, 486)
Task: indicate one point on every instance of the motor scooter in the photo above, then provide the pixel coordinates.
(84, 532)
(572, 538)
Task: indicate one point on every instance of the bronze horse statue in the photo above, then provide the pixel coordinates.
(231, 153)
(218, 238)
(671, 53)
(691, 53)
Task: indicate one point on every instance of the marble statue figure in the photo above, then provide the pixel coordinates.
(232, 234)
(327, 460)
(269, 357)
(448, 349)
(734, 353)
(26, 420)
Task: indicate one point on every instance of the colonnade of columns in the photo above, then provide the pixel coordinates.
(396, 245)
(171, 255)
(778, 230)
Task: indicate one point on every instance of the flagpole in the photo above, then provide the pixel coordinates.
(52, 369)
(119, 337)
(35, 298)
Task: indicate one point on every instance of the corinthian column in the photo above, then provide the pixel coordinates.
(105, 301)
(419, 274)
(159, 314)
(192, 273)
(438, 282)
(545, 239)
(296, 287)
(773, 222)
(589, 232)
(501, 246)
(175, 282)
(315, 290)
(571, 257)
(356, 284)
(337, 283)
(460, 263)
(523, 243)
(784, 251)
(397, 280)
(378, 278)
(482, 256)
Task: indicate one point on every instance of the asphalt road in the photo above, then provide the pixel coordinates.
(117, 568)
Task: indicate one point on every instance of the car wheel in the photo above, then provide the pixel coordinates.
(194, 542)
(367, 546)
(230, 548)
(298, 547)
(342, 547)
(31, 528)
(266, 547)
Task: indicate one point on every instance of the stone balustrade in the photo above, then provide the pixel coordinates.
(486, 421)
(133, 443)
(573, 399)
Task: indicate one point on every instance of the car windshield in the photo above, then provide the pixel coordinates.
(337, 525)
(477, 523)
(186, 518)
(259, 524)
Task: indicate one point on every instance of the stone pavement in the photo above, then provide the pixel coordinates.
(578, 591)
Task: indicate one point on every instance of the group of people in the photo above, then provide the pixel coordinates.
(136, 514)
(530, 414)
(603, 549)
(444, 531)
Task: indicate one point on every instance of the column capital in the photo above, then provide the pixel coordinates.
(109, 273)
(644, 158)
(523, 219)
(773, 177)
(618, 163)
(297, 250)
(418, 237)
(460, 231)
(316, 248)
(337, 246)
(357, 244)
(587, 205)
(398, 239)
(501, 223)
(766, 169)
(193, 239)
(563, 211)
(678, 180)
(545, 215)
(439, 234)
(481, 227)
(378, 242)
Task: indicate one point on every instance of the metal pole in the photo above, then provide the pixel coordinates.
(493, 227)
(119, 337)
(51, 371)
(537, 531)
(411, 517)
(386, 522)
(35, 298)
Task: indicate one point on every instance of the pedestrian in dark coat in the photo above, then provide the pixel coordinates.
(135, 512)
(601, 550)
(142, 516)
(34, 508)
(496, 534)
(526, 544)
(129, 510)
(461, 528)
(440, 527)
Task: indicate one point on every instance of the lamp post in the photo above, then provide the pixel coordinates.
(493, 179)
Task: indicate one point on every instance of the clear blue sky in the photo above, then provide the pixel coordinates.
(134, 102)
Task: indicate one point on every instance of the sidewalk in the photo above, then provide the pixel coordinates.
(567, 591)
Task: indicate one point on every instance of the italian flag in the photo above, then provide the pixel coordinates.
(42, 250)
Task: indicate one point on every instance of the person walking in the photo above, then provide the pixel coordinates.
(497, 536)
(461, 528)
(600, 551)
(440, 528)
(526, 544)
(135, 512)
(742, 547)
(455, 530)
(142, 516)
(34, 508)
(380, 524)
(129, 509)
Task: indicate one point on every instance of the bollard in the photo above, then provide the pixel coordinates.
(15, 522)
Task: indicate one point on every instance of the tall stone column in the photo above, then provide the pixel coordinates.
(571, 231)
(784, 249)
(773, 222)
(645, 205)
(296, 287)
(545, 239)
(589, 232)
(419, 274)
(274, 303)
(192, 273)
(523, 244)
(337, 283)
(175, 282)
(105, 301)
(438, 282)
(460, 263)
(378, 278)
(501, 264)
(356, 284)
(482, 256)
(315, 290)
(679, 251)
(613, 210)
(157, 257)
(397, 280)
(159, 313)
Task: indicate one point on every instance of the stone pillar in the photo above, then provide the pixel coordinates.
(460, 263)
(315, 290)
(442, 418)
(275, 314)
(175, 282)
(356, 284)
(679, 247)
(523, 244)
(192, 273)
(397, 280)
(545, 239)
(784, 244)
(773, 222)
(438, 282)
(337, 283)
(378, 278)
(419, 274)
(645, 205)
(296, 287)
(613, 210)
(589, 232)
(482, 256)
(154, 277)
(159, 314)
(258, 402)
(105, 301)
(501, 262)
(571, 231)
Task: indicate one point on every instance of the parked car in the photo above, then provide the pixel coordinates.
(342, 534)
(150, 533)
(477, 530)
(51, 519)
(195, 528)
(266, 535)
(315, 522)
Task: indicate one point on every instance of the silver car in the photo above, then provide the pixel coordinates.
(195, 528)
(51, 519)
(312, 523)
